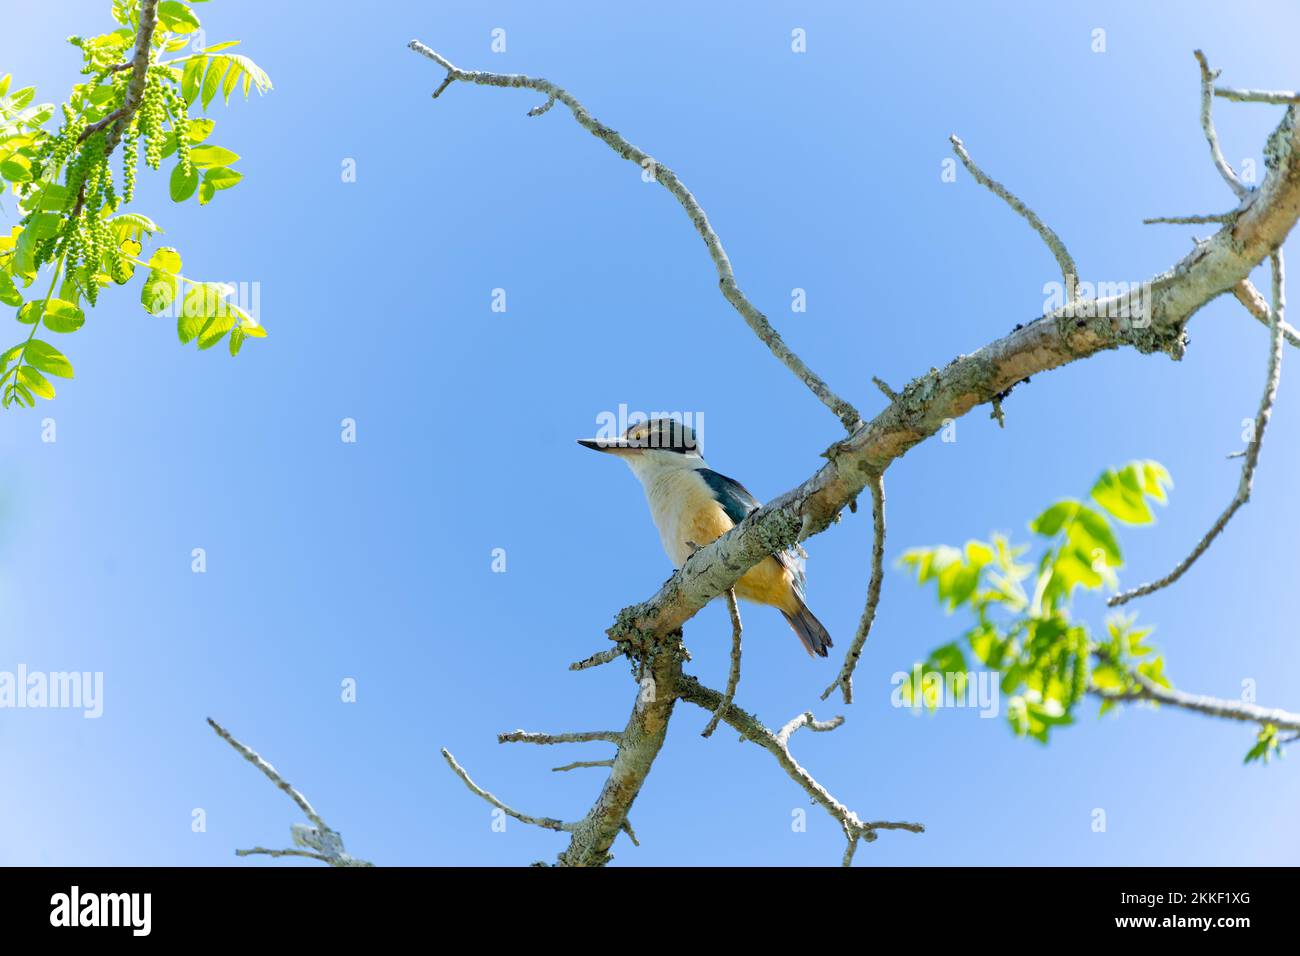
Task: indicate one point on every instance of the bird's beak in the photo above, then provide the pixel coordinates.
(616, 446)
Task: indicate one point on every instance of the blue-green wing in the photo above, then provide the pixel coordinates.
(737, 502)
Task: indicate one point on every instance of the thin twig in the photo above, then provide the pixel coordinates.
(1069, 271)
(1252, 451)
(595, 660)
(844, 680)
(546, 823)
(733, 676)
(261, 850)
(253, 757)
(806, 719)
(1191, 220)
(320, 837)
(1207, 124)
(1257, 306)
(1278, 97)
(751, 728)
(881, 384)
(587, 736)
(1149, 691)
(577, 764)
(757, 321)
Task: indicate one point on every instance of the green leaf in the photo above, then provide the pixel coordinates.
(159, 291)
(232, 78)
(182, 186)
(212, 82)
(1099, 531)
(17, 168)
(192, 78)
(35, 381)
(61, 316)
(1120, 494)
(133, 225)
(1155, 478)
(222, 177)
(208, 157)
(200, 129)
(1049, 523)
(48, 359)
(166, 259)
(206, 192)
(177, 17)
(30, 313)
(9, 293)
(236, 341)
(54, 196)
(253, 74)
(204, 305)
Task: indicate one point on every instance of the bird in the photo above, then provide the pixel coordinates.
(692, 505)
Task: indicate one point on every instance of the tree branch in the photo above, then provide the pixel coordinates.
(527, 737)
(1199, 703)
(326, 842)
(1258, 306)
(665, 177)
(1247, 479)
(1069, 271)
(1207, 124)
(777, 744)
(733, 677)
(844, 681)
(546, 823)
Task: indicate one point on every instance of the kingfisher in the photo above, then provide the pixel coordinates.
(692, 505)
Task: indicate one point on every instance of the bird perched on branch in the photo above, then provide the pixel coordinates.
(693, 505)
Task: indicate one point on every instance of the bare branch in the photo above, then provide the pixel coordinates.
(806, 719)
(885, 390)
(327, 842)
(583, 763)
(1069, 271)
(255, 851)
(642, 739)
(528, 737)
(1191, 220)
(751, 728)
(546, 823)
(1149, 691)
(733, 677)
(1257, 306)
(1246, 481)
(271, 773)
(595, 660)
(757, 321)
(844, 680)
(1277, 97)
(1207, 124)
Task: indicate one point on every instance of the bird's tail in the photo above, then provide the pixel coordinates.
(811, 633)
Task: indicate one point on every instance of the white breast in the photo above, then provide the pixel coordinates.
(677, 496)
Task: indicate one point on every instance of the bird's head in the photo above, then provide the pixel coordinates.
(659, 442)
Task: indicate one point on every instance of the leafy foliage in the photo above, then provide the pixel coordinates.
(72, 221)
(1022, 625)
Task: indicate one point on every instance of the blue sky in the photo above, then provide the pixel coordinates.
(372, 560)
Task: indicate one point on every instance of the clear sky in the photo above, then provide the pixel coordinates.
(373, 560)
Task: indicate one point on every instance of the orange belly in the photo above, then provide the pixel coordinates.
(767, 583)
